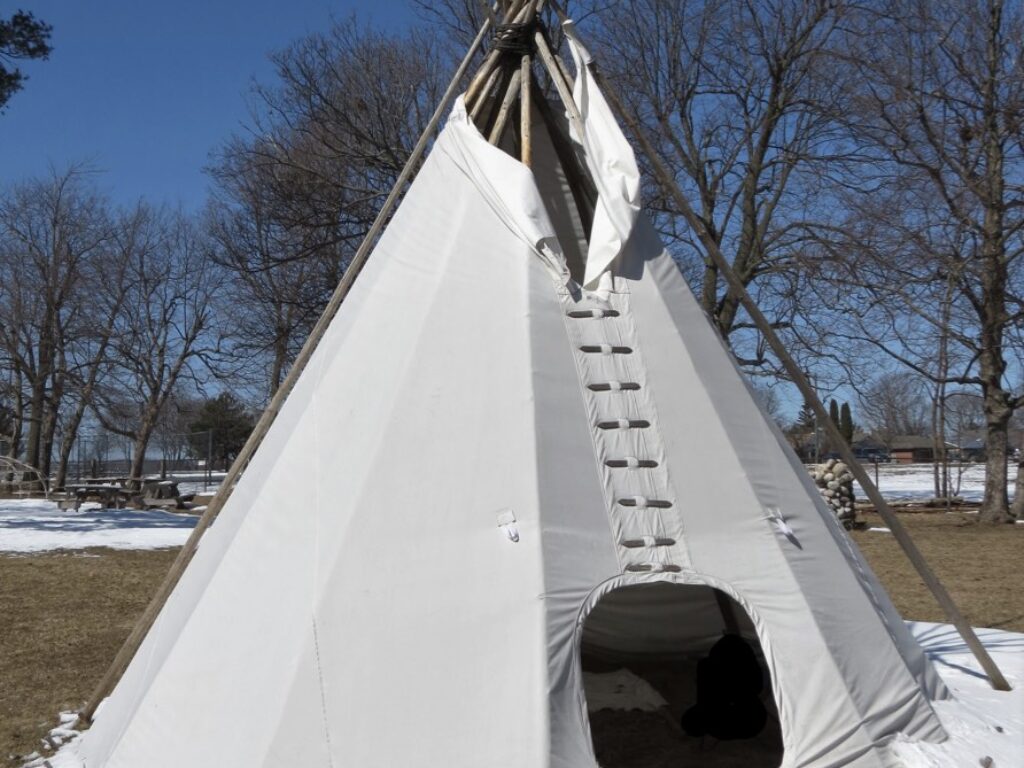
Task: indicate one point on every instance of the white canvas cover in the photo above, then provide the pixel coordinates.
(402, 576)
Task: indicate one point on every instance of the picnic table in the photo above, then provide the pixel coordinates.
(118, 493)
(108, 494)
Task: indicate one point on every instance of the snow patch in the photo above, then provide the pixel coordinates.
(37, 525)
(914, 482)
(981, 722)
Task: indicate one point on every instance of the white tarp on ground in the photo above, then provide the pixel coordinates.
(37, 525)
(487, 451)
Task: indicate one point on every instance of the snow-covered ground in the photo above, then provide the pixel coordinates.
(981, 723)
(36, 525)
(913, 482)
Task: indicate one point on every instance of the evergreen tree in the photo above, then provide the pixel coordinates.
(833, 411)
(805, 419)
(22, 36)
(230, 423)
(846, 423)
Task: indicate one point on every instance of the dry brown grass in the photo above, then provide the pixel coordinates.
(981, 566)
(63, 616)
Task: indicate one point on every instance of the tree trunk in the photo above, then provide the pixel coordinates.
(138, 462)
(142, 438)
(938, 444)
(50, 426)
(35, 422)
(48, 436)
(280, 361)
(37, 406)
(1017, 510)
(994, 282)
(995, 507)
(57, 383)
(67, 443)
(84, 401)
(19, 419)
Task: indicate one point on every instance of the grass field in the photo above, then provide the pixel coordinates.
(981, 566)
(64, 615)
(63, 618)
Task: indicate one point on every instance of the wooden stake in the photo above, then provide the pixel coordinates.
(899, 532)
(525, 112)
(145, 622)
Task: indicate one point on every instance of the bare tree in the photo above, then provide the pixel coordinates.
(276, 299)
(12, 397)
(734, 90)
(164, 332)
(337, 126)
(895, 404)
(172, 432)
(297, 195)
(53, 232)
(103, 288)
(937, 111)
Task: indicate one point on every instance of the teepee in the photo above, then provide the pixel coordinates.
(518, 441)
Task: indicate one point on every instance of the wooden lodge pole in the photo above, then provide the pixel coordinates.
(145, 622)
(899, 531)
(511, 93)
(479, 105)
(519, 12)
(525, 111)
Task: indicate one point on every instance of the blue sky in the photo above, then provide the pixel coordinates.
(144, 90)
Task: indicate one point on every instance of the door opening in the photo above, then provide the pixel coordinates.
(674, 676)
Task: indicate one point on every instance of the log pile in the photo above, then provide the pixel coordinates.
(835, 481)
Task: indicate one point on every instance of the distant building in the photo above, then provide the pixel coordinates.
(912, 449)
(972, 444)
(869, 449)
(973, 449)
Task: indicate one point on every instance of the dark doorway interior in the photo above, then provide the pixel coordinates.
(642, 653)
